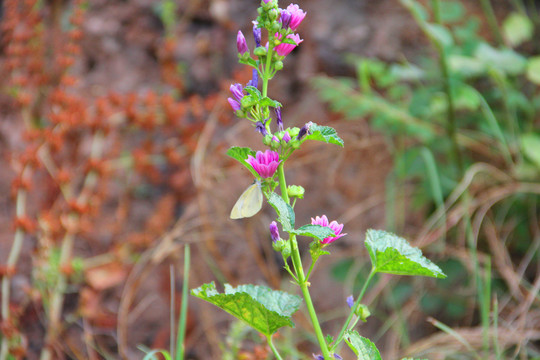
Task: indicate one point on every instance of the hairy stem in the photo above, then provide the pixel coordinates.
(302, 282)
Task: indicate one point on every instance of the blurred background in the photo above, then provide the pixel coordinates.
(113, 130)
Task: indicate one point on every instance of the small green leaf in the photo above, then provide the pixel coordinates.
(249, 61)
(533, 70)
(440, 34)
(324, 133)
(362, 347)
(252, 90)
(284, 211)
(530, 144)
(315, 231)
(392, 254)
(517, 28)
(241, 154)
(262, 308)
(266, 101)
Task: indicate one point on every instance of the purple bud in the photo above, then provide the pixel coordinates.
(279, 120)
(237, 90)
(350, 301)
(266, 1)
(234, 104)
(241, 43)
(260, 127)
(275, 139)
(304, 130)
(286, 137)
(254, 79)
(285, 19)
(257, 33)
(274, 232)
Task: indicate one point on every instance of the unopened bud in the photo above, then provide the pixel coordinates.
(278, 65)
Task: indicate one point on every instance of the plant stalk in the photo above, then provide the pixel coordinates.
(297, 264)
(180, 346)
(353, 308)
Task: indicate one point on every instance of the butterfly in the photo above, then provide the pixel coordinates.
(249, 203)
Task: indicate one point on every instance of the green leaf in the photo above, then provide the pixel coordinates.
(517, 28)
(152, 355)
(266, 101)
(262, 308)
(249, 61)
(284, 211)
(392, 254)
(315, 231)
(324, 133)
(505, 60)
(252, 90)
(533, 70)
(530, 144)
(466, 66)
(241, 154)
(440, 34)
(362, 347)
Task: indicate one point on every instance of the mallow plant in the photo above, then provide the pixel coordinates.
(264, 309)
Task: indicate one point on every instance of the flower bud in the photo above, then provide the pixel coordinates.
(260, 51)
(273, 14)
(295, 191)
(267, 140)
(257, 33)
(241, 43)
(286, 137)
(274, 231)
(278, 65)
(279, 120)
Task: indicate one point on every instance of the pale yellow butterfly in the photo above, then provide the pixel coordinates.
(249, 203)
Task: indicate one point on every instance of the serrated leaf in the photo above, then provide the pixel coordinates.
(324, 133)
(315, 231)
(284, 211)
(262, 308)
(392, 254)
(530, 144)
(252, 90)
(362, 347)
(533, 70)
(266, 101)
(241, 154)
(517, 28)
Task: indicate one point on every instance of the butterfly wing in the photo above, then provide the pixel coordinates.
(249, 203)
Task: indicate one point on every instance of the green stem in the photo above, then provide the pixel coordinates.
(271, 344)
(353, 308)
(183, 310)
(492, 21)
(297, 264)
(451, 127)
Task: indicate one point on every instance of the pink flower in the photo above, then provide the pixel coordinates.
(337, 228)
(297, 15)
(265, 164)
(284, 49)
